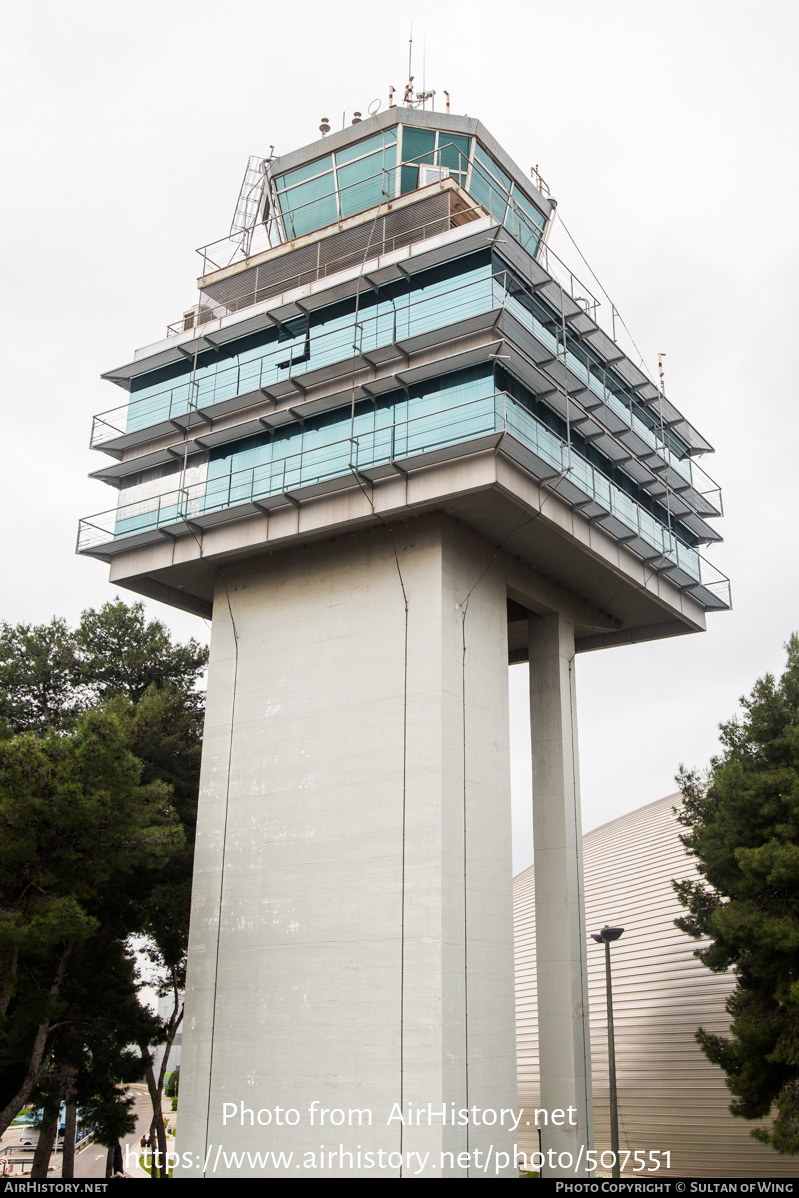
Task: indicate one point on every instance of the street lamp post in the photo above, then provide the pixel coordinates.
(605, 937)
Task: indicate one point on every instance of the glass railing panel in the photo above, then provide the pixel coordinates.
(440, 304)
(594, 381)
(375, 448)
(146, 515)
(531, 432)
(530, 322)
(625, 508)
(688, 559)
(582, 473)
(155, 408)
(421, 432)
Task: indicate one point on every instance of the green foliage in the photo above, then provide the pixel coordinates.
(102, 1018)
(120, 653)
(100, 739)
(743, 828)
(50, 674)
(40, 686)
(80, 838)
(173, 1084)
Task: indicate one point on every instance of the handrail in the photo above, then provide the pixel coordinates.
(186, 396)
(180, 400)
(232, 247)
(497, 413)
(380, 246)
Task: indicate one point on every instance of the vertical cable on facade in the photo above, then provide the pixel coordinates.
(224, 852)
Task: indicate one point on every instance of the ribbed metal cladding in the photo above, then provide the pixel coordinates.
(670, 1097)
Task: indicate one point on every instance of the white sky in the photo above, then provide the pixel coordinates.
(666, 130)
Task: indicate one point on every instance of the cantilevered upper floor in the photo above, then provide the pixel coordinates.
(393, 336)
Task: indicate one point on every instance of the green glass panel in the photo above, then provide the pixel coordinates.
(418, 145)
(367, 146)
(454, 150)
(488, 163)
(315, 190)
(309, 206)
(310, 216)
(409, 179)
(528, 207)
(526, 233)
(488, 193)
(362, 193)
(357, 172)
(364, 183)
(304, 172)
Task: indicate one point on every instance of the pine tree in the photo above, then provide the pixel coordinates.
(743, 828)
(80, 839)
(99, 726)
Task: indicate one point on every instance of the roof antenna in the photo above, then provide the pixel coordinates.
(409, 84)
(424, 71)
(662, 374)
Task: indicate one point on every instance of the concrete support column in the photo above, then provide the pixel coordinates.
(350, 977)
(561, 965)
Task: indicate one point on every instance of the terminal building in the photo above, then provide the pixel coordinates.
(389, 451)
(673, 1103)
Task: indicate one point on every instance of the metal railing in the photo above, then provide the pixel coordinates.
(497, 414)
(368, 332)
(378, 247)
(404, 319)
(228, 250)
(224, 252)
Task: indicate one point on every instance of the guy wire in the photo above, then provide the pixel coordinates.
(601, 288)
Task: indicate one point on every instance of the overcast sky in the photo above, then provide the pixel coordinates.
(667, 132)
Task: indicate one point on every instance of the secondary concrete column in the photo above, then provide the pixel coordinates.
(561, 965)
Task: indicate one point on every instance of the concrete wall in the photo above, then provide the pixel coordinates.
(351, 939)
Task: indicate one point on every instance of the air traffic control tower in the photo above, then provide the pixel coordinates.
(389, 451)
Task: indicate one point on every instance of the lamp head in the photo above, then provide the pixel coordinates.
(607, 934)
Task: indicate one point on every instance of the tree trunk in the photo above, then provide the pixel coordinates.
(153, 1141)
(156, 1088)
(8, 985)
(174, 1023)
(47, 1132)
(158, 1119)
(109, 1162)
(37, 1053)
(70, 1123)
(31, 1077)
